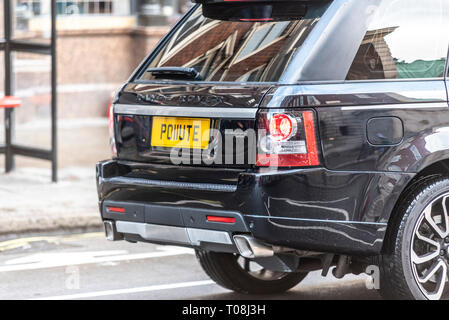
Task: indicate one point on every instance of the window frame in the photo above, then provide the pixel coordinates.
(137, 75)
(444, 77)
(326, 22)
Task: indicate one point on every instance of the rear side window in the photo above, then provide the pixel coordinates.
(406, 39)
(247, 49)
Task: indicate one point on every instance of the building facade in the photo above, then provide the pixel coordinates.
(91, 13)
(99, 45)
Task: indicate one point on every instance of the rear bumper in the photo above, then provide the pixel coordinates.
(310, 209)
(181, 226)
(173, 235)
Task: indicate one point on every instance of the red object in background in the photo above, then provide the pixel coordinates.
(10, 102)
(109, 111)
(281, 127)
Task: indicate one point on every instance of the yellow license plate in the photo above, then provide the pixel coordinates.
(169, 132)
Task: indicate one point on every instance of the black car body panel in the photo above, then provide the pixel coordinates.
(133, 131)
(272, 204)
(375, 137)
(345, 109)
(194, 95)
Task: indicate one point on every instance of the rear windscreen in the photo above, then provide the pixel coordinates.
(243, 44)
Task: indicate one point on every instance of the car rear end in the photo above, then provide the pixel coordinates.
(289, 134)
(198, 160)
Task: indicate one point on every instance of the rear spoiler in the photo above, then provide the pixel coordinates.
(249, 1)
(256, 10)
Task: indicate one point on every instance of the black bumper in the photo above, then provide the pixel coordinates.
(309, 209)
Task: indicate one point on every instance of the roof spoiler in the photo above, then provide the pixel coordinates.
(249, 1)
(257, 11)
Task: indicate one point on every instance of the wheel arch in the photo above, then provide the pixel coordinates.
(438, 168)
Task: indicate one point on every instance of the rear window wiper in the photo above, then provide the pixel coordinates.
(175, 73)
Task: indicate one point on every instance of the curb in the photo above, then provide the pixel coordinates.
(24, 224)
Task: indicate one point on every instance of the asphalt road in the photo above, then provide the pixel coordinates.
(86, 266)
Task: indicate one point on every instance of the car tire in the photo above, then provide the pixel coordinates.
(414, 263)
(226, 270)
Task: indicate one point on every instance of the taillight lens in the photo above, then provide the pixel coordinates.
(282, 126)
(112, 143)
(287, 138)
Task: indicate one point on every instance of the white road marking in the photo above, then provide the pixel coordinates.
(23, 242)
(54, 260)
(66, 257)
(97, 294)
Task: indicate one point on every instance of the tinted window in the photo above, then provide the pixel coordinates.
(258, 50)
(405, 39)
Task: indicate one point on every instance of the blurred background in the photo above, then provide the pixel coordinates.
(99, 44)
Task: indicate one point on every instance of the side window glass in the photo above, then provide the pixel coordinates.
(406, 39)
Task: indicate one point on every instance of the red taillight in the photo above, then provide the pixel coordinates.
(220, 219)
(282, 127)
(312, 145)
(287, 138)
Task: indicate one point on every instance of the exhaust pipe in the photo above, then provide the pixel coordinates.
(251, 248)
(111, 232)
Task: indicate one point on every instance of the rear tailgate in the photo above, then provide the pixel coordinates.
(209, 76)
(149, 116)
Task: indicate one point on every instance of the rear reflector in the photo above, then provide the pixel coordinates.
(220, 219)
(116, 209)
(312, 147)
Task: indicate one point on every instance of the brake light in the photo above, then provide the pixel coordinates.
(287, 138)
(282, 127)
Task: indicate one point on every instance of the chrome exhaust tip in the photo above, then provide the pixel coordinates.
(251, 248)
(111, 232)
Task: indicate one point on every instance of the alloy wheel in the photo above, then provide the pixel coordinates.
(430, 249)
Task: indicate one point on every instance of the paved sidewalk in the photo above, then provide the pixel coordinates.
(29, 202)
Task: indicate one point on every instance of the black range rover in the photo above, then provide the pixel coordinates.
(282, 137)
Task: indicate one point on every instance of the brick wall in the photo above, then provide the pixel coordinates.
(91, 64)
